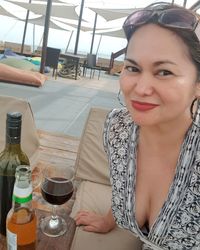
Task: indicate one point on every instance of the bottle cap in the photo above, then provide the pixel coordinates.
(14, 119)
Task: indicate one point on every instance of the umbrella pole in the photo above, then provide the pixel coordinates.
(93, 33)
(33, 38)
(78, 28)
(69, 41)
(25, 28)
(45, 36)
(98, 45)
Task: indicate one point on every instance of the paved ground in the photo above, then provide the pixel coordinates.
(62, 105)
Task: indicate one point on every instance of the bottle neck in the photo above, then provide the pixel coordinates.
(13, 147)
(22, 194)
(13, 135)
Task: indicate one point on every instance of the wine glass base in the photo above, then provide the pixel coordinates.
(53, 226)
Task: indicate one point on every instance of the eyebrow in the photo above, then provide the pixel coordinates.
(155, 64)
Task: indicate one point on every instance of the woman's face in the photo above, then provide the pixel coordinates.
(159, 79)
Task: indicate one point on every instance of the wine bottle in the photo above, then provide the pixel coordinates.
(21, 219)
(11, 157)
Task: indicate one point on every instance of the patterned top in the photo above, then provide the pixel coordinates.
(177, 226)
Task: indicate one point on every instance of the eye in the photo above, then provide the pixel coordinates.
(131, 68)
(164, 72)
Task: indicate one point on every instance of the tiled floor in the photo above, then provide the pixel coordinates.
(62, 105)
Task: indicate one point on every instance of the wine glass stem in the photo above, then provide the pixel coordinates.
(54, 213)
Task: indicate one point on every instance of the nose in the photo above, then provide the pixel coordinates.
(144, 84)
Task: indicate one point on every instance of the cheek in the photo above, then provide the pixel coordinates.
(176, 98)
(125, 83)
(182, 90)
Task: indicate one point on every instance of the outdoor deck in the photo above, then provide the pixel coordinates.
(62, 105)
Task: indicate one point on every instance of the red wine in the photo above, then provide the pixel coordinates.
(57, 190)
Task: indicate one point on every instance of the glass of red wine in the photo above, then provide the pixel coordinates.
(56, 189)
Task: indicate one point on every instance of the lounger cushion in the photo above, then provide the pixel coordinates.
(20, 63)
(91, 163)
(19, 76)
(97, 198)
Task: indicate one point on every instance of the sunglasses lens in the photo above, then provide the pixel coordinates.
(178, 19)
(137, 18)
(175, 18)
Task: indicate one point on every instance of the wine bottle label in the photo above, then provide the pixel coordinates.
(22, 195)
(11, 240)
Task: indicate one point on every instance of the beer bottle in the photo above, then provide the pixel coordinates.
(21, 219)
(11, 157)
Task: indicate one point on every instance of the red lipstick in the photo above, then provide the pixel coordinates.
(143, 106)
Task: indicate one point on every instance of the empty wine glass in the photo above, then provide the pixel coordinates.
(56, 189)
(36, 178)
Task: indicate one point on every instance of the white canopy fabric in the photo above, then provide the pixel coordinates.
(57, 10)
(85, 26)
(3, 12)
(41, 20)
(112, 14)
(114, 33)
(54, 1)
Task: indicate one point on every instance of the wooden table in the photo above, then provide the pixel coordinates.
(48, 243)
(43, 209)
(55, 149)
(59, 243)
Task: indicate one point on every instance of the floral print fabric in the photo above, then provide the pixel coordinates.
(177, 226)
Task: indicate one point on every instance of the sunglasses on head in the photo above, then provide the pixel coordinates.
(172, 18)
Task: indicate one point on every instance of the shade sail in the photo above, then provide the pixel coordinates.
(64, 25)
(40, 21)
(114, 33)
(85, 26)
(54, 1)
(3, 12)
(112, 14)
(57, 10)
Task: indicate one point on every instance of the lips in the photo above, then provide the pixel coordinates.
(143, 106)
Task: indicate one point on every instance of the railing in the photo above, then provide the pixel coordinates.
(113, 56)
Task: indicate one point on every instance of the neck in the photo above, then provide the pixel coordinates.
(166, 136)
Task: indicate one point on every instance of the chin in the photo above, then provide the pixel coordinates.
(143, 119)
(142, 123)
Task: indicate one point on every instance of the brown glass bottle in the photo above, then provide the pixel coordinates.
(11, 157)
(21, 220)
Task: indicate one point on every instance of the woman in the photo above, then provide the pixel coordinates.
(153, 145)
